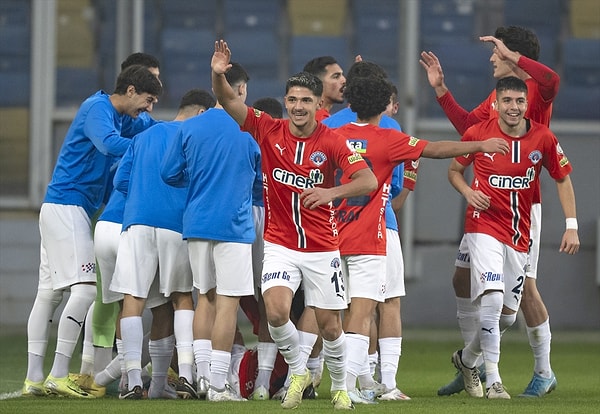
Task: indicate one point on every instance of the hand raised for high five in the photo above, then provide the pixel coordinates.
(221, 59)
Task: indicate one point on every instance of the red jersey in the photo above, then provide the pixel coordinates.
(321, 114)
(289, 166)
(411, 168)
(361, 220)
(542, 88)
(510, 180)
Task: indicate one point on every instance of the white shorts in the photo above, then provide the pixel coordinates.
(258, 247)
(147, 252)
(66, 248)
(364, 276)
(535, 233)
(394, 283)
(319, 272)
(106, 245)
(224, 265)
(496, 266)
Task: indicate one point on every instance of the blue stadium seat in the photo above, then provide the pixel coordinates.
(261, 88)
(577, 102)
(176, 84)
(247, 15)
(304, 48)
(544, 18)
(581, 59)
(199, 15)
(73, 85)
(16, 40)
(188, 41)
(256, 50)
(15, 87)
(441, 20)
(15, 13)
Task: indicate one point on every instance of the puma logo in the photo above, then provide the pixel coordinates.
(487, 330)
(75, 320)
(279, 148)
(490, 156)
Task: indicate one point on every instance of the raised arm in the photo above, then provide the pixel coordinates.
(230, 101)
(570, 239)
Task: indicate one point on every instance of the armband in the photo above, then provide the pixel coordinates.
(572, 223)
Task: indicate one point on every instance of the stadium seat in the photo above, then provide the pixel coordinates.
(15, 87)
(577, 102)
(581, 59)
(304, 48)
(73, 85)
(248, 15)
(199, 15)
(261, 88)
(257, 51)
(545, 20)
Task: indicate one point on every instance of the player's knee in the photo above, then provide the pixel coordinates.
(54, 297)
(506, 321)
(84, 292)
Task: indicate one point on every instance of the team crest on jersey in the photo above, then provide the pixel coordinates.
(318, 158)
(358, 145)
(413, 141)
(535, 156)
(335, 263)
(257, 113)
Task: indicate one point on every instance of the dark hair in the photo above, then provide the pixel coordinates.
(140, 58)
(140, 78)
(269, 105)
(305, 80)
(365, 69)
(197, 97)
(511, 83)
(317, 65)
(236, 75)
(519, 39)
(368, 96)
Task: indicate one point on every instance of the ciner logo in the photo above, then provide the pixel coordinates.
(507, 182)
(289, 178)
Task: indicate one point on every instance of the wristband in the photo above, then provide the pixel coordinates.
(571, 223)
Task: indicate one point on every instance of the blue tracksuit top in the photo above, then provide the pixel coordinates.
(97, 134)
(218, 162)
(345, 116)
(149, 200)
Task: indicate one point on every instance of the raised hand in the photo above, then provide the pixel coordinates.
(220, 62)
(501, 50)
(431, 64)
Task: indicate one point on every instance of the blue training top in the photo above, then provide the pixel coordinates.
(149, 200)
(219, 164)
(345, 116)
(97, 134)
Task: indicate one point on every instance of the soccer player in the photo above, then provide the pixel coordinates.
(101, 320)
(331, 74)
(299, 156)
(361, 220)
(497, 223)
(390, 326)
(516, 51)
(209, 155)
(74, 195)
(152, 265)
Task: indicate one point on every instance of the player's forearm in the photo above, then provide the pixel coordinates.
(363, 182)
(566, 196)
(547, 79)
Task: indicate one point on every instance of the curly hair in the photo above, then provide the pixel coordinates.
(519, 39)
(368, 96)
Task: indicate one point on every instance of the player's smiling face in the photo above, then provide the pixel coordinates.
(502, 68)
(139, 103)
(511, 106)
(301, 105)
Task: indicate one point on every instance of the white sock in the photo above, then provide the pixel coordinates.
(109, 374)
(161, 352)
(357, 347)
(38, 328)
(373, 360)
(390, 350)
(489, 336)
(267, 353)
(307, 342)
(184, 339)
(540, 338)
(219, 367)
(132, 335)
(288, 342)
(87, 353)
(334, 353)
(69, 326)
(202, 352)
